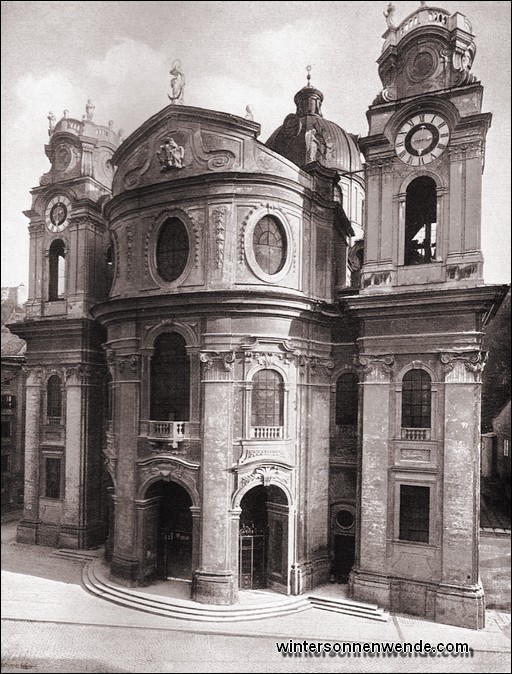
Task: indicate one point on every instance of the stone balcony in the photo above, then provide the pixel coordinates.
(415, 434)
(267, 432)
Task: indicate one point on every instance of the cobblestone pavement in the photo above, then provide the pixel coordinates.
(50, 624)
(54, 647)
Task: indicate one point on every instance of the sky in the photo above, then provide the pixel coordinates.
(56, 55)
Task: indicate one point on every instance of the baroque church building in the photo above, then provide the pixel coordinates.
(225, 384)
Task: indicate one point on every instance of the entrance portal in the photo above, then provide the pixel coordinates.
(174, 538)
(263, 544)
(344, 552)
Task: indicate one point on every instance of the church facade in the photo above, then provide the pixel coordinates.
(225, 384)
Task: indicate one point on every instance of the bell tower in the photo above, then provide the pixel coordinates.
(422, 308)
(70, 268)
(425, 157)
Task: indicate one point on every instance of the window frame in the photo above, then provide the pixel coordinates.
(152, 243)
(247, 431)
(292, 247)
(399, 512)
(49, 455)
(47, 401)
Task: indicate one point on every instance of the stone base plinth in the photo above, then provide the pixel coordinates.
(461, 606)
(369, 587)
(214, 587)
(124, 570)
(27, 532)
(309, 573)
(81, 538)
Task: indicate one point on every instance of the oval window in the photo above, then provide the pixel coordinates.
(269, 243)
(172, 250)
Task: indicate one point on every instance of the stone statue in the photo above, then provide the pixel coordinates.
(89, 110)
(171, 155)
(120, 135)
(249, 113)
(51, 123)
(177, 84)
(389, 14)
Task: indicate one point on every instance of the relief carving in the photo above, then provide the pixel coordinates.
(266, 475)
(375, 364)
(220, 236)
(170, 155)
(129, 251)
(225, 360)
(215, 160)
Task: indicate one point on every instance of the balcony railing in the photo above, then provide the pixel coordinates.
(54, 421)
(176, 431)
(346, 431)
(267, 432)
(415, 433)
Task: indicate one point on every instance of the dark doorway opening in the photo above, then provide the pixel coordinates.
(174, 538)
(344, 553)
(263, 541)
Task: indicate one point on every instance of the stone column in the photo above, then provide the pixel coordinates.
(72, 523)
(125, 556)
(214, 581)
(27, 528)
(460, 598)
(368, 579)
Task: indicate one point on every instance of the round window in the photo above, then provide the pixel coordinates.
(345, 519)
(269, 243)
(172, 250)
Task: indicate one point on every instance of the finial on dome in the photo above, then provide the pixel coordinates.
(308, 77)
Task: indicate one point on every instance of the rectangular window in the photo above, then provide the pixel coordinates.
(6, 428)
(414, 513)
(8, 402)
(53, 477)
(506, 447)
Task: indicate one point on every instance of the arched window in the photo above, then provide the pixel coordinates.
(170, 379)
(269, 243)
(416, 399)
(267, 403)
(347, 400)
(172, 250)
(420, 221)
(57, 271)
(54, 399)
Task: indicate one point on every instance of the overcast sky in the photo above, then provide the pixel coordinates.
(56, 55)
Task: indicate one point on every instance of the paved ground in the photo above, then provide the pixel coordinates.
(50, 624)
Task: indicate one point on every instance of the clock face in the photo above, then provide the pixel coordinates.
(57, 213)
(422, 139)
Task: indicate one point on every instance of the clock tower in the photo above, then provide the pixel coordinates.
(422, 308)
(70, 270)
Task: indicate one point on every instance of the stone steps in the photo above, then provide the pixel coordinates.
(76, 555)
(97, 584)
(349, 607)
(187, 610)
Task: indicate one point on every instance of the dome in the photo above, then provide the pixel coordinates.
(306, 137)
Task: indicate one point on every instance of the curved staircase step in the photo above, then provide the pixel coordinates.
(186, 610)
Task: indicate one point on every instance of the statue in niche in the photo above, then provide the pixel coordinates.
(177, 84)
(170, 155)
(389, 14)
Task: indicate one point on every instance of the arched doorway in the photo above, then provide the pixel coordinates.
(174, 530)
(263, 539)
